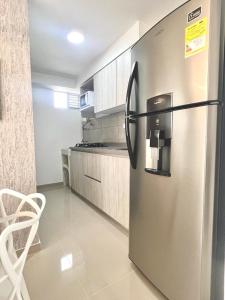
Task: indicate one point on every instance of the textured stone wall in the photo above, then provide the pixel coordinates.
(17, 163)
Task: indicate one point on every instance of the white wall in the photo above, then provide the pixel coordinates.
(55, 82)
(54, 129)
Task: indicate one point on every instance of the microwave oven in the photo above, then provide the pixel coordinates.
(86, 100)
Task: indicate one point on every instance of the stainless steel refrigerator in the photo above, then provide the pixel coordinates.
(172, 114)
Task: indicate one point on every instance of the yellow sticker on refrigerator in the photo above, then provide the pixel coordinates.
(196, 38)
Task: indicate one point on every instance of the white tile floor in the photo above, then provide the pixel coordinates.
(84, 256)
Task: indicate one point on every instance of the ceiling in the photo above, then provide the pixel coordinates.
(101, 21)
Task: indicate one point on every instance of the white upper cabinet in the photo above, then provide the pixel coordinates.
(98, 92)
(123, 75)
(105, 88)
(110, 84)
(109, 88)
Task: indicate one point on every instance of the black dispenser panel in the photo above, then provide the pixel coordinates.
(158, 136)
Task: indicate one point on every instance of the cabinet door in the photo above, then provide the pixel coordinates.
(109, 87)
(93, 192)
(81, 181)
(110, 188)
(92, 178)
(105, 88)
(92, 165)
(123, 75)
(123, 182)
(98, 91)
(115, 183)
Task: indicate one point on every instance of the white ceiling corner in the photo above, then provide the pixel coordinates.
(101, 21)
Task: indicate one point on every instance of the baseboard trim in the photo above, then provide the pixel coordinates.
(119, 226)
(50, 186)
(33, 249)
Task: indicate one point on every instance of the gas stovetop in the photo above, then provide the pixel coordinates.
(89, 145)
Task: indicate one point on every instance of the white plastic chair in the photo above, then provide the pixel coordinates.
(12, 284)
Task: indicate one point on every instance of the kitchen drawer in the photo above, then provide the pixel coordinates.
(92, 165)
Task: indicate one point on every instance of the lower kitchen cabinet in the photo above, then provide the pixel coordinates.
(104, 181)
(123, 182)
(92, 178)
(115, 181)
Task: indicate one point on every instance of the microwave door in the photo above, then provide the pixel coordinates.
(83, 101)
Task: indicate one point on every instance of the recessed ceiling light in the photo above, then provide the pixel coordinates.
(75, 37)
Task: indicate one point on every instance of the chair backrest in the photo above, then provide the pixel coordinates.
(24, 200)
(20, 220)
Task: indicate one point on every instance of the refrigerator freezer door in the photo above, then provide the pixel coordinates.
(171, 217)
(162, 63)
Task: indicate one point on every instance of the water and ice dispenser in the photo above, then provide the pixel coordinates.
(158, 136)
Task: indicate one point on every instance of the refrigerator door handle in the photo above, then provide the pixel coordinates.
(129, 89)
(132, 152)
(176, 108)
(128, 121)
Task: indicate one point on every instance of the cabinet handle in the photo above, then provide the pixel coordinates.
(99, 181)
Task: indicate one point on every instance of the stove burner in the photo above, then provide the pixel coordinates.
(90, 145)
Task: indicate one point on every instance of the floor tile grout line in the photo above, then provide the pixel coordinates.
(83, 290)
(111, 284)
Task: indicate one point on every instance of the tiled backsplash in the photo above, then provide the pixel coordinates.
(109, 129)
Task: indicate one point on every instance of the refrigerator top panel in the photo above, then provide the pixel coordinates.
(180, 56)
